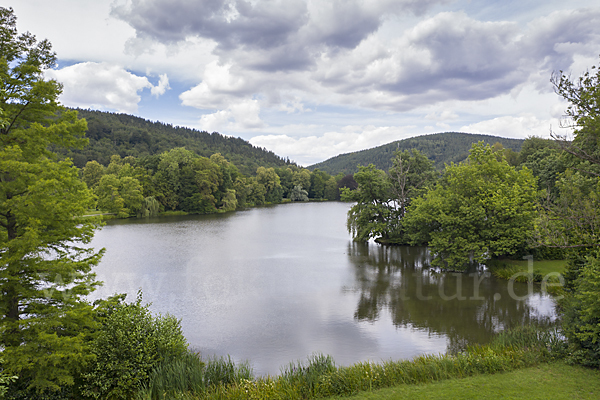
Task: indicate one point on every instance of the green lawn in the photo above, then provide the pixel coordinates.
(547, 381)
(544, 266)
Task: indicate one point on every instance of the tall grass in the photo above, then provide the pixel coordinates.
(319, 376)
(190, 376)
(515, 272)
(305, 376)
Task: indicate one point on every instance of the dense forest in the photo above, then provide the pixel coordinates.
(181, 180)
(126, 135)
(440, 148)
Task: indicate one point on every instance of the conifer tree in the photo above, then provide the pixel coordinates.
(45, 269)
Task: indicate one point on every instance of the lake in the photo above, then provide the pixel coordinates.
(276, 284)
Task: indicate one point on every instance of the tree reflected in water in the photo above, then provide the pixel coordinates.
(466, 307)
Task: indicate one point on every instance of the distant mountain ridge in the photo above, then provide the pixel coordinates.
(128, 135)
(441, 148)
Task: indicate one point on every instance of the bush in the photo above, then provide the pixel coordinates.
(128, 347)
(581, 319)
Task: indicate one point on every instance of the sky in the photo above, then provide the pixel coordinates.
(311, 79)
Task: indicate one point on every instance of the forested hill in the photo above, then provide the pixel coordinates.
(441, 148)
(127, 135)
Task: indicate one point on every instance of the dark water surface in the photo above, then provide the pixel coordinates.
(276, 284)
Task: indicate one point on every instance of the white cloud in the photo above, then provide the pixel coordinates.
(217, 89)
(444, 115)
(103, 86)
(508, 126)
(240, 116)
(162, 87)
(311, 149)
(269, 66)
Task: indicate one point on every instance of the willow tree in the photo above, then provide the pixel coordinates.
(44, 268)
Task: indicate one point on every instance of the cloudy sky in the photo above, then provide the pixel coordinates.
(310, 79)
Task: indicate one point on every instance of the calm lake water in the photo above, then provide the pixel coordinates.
(276, 284)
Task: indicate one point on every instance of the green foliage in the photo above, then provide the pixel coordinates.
(181, 375)
(319, 377)
(5, 380)
(126, 135)
(301, 178)
(130, 344)
(92, 172)
(193, 376)
(582, 314)
(514, 272)
(298, 194)
(122, 196)
(479, 209)
(45, 272)
(268, 178)
(305, 377)
(534, 144)
(382, 199)
(318, 184)
(571, 220)
(150, 207)
(371, 216)
(440, 148)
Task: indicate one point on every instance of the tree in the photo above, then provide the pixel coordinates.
(45, 272)
(318, 183)
(479, 209)
(583, 115)
(371, 216)
(382, 199)
(302, 178)
(270, 180)
(122, 196)
(92, 173)
(285, 177)
(168, 175)
(572, 220)
(299, 194)
(410, 175)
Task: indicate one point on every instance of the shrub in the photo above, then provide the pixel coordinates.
(581, 319)
(128, 347)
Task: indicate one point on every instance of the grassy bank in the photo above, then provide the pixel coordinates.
(545, 381)
(520, 270)
(193, 379)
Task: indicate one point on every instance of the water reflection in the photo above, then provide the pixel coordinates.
(466, 307)
(264, 285)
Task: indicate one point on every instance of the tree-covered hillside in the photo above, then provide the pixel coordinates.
(127, 135)
(441, 148)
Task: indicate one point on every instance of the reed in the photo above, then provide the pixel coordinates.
(318, 376)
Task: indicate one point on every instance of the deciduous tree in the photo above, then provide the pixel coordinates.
(371, 216)
(479, 209)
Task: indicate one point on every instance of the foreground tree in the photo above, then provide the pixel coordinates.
(572, 219)
(479, 209)
(44, 269)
